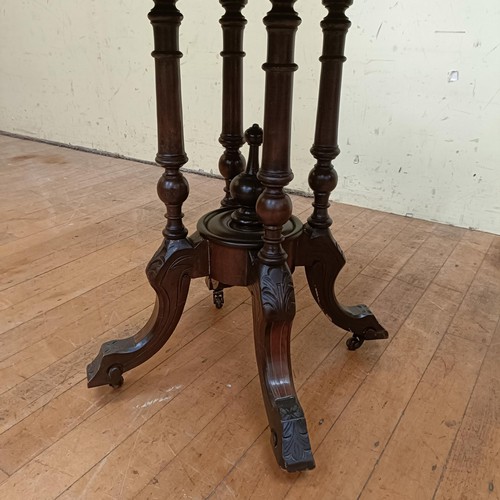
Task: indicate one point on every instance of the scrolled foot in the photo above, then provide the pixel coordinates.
(290, 438)
(361, 322)
(102, 370)
(169, 272)
(323, 260)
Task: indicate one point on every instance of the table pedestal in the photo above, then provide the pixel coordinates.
(253, 240)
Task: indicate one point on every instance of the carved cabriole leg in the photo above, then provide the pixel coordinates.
(232, 162)
(273, 313)
(319, 251)
(169, 272)
(272, 290)
(178, 259)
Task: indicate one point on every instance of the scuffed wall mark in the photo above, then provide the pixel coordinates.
(494, 48)
(356, 160)
(379, 60)
(449, 32)
(378, 31)
(493, 97)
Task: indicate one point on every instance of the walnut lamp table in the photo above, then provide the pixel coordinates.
(253, 240)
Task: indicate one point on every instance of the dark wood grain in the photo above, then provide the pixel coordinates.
(178, 258)
(319, 252)
(274, 206)
(232, 162)
(253, 240)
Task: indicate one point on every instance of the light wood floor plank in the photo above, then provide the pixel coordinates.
(98, 435)
(385, 393)
(429, 424)
(367, 423)
(61, 376)
(396, 419)
(473, 468)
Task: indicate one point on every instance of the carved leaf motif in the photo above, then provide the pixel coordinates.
(161, 257)
(156, 263)
(290, 412)
(278, 300)
(296, 445)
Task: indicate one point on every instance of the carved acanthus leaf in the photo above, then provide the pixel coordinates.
(278, 298)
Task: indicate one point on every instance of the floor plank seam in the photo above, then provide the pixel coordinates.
(118, 214)
(84, 377)
(114, 241)
(423, 374)
(388, 342)
(118, 393)
(62, 224)
(65, 356)
(129, 385)
(399, 419)
(445, 466)
(62, 303)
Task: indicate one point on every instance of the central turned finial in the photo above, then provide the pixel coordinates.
(246, 188)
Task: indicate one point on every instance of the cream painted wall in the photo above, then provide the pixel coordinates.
(412, 142)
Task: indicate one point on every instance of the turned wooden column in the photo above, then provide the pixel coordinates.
(179, 258)
(319, 252)
(232, 162)
(173, 188)
(274, 206)
(323, 178)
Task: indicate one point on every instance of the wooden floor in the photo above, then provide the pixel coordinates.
(414, 417)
